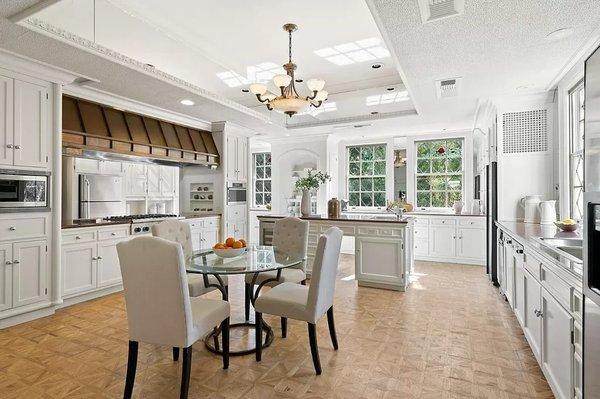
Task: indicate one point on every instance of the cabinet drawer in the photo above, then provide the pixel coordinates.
(420, 221)
(347, 230)
(443, 222)
(237, 212)
(113, 234)
(195, 223)
(421, 233)
(211, 222)
(533, 266)
(78, 237)
(389, 232)
(29, 227)
(471, 222)
(557, 287)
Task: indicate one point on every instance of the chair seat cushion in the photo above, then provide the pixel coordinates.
(289, 275)
(285, 300)
(196, 284)
(207, 314)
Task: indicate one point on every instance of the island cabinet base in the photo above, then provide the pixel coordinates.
(383, 254)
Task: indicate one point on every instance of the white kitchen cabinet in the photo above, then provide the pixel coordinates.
(557, 349)
(236, 229)
(30, 277)
(6, 260)
(30, 124)
(162, 181)
(520, 293)
(153, 180)
(532, 321)
(79, 267)
(442, 241)
(379, 260)
(510, 275)
(6, 121)
(108, 267)
(470, 243)
(205, 232)
(237, 158)
(135, 180)
(86, 165)
(210, 237)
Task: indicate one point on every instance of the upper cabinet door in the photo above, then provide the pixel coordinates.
(6, 121)
(167, 181)
(154, 180)
(242, 158)
(31, 125)
(232, 157)
(135, 179)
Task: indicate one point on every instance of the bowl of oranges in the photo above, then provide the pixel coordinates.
(230, 248)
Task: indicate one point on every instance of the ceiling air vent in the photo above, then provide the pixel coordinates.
(433, 10)
(446, 88)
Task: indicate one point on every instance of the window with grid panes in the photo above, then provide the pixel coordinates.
(439, 173)
(576, 124)
(262, 179)
(366, 175)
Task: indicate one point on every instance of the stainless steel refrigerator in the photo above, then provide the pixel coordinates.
(100, 196)
(591, 261)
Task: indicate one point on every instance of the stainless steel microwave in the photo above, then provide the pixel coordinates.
(236, 193)
(22, 190)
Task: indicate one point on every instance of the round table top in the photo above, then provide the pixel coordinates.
(256, 259)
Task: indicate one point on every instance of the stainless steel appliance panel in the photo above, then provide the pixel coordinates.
(236, 194)
(100, 188)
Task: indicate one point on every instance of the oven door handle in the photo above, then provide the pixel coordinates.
(87, 203)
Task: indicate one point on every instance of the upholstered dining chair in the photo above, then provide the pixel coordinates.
(179, 231)
(159, 308)
(290, 235)
(303, 303)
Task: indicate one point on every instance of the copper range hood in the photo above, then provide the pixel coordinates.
(94, 130)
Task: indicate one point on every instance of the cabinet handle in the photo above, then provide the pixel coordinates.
(538, 313)
(454, 237)
(17, 147)
(99, 258)
(77, 238)
(94, 258)
(8, 262)
(9, 146)
(12, 228)
(113, 234)
(16, 262)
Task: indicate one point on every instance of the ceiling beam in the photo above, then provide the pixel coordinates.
(29, 11)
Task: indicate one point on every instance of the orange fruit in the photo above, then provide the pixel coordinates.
(220, 246)
(237, 245)
(243, 242)
(229, 241)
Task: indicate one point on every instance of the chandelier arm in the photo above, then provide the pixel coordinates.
(269, 107)
(261, 100)
(310, 98)
(318, 104)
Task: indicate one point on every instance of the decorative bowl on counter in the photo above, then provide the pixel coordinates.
(567, 226)
(229, 252)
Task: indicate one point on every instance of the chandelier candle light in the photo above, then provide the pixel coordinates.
(289, 101)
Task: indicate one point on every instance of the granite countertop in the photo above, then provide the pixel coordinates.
(430, 213)
(372, 218)
(93, 224)
(530, 234)
(193, 215)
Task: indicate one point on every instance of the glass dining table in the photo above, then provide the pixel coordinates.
(255, 260)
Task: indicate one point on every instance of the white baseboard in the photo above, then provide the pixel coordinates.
(90, 295)
(26, 315)
(474, 262)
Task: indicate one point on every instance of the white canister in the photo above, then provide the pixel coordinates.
(530, 208)
(457, 206)
(547, 212)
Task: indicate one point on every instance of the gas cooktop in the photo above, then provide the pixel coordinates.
(147, 216)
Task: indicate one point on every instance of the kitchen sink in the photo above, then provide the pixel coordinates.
(573, 251)
(570, 248)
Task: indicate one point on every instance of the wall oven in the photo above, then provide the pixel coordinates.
(24, 191)
(236, 193)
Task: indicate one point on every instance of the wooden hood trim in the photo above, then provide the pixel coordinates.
(91, 126)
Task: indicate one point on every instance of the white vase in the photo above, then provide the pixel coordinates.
(458, 206)
(305, 203)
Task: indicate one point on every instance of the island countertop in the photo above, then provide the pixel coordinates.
(371, 218)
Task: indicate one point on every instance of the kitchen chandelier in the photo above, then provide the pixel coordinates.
(289, 101)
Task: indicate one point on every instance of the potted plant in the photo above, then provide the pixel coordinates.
(306, 184)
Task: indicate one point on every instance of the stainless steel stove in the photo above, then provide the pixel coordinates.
(142, 224)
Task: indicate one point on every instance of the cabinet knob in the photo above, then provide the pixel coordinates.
(77, 238)
(538, 313)
(99, 257)
(17, 147)
(113, 234)
(16, 262)
(9, 146)
(94, 258)
(8, 262)
(12, 228)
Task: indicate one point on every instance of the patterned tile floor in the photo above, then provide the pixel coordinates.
(450, 336)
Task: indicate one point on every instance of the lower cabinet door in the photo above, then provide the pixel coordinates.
(532, 321)
(520, 292)
(557, 350)
(30, 277)
(210, 237)
(196, 239)
(421, 247)
(380, 260)
(6, 266)
(442, 241)
(79, 268)
(471, 244)
(109, 270)
(510, 277)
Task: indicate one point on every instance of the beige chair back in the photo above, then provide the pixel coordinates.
(290, 235)
(176, 231)
(324, 272)
(156, 291)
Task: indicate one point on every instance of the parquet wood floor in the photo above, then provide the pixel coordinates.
(450, 336)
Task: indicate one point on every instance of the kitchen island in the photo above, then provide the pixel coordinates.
(383, 245)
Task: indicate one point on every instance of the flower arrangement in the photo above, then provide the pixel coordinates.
(312, 181)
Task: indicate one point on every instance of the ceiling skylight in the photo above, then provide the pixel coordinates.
(233, 79)
(325, 107)
(263, 72)
(354, 52)
(387, 98)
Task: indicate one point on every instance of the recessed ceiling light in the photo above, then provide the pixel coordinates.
(391, 89)
(187, 102)
(377, 65)
(559, 34)
(245, 91)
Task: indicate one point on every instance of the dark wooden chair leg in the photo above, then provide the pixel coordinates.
(248, 294)
(225, 335)
(331, 324)
(175, 354)
(258, 336)
(185, 372)
(284, 327)
(314, 349)
(131, 367)
(216, 339)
